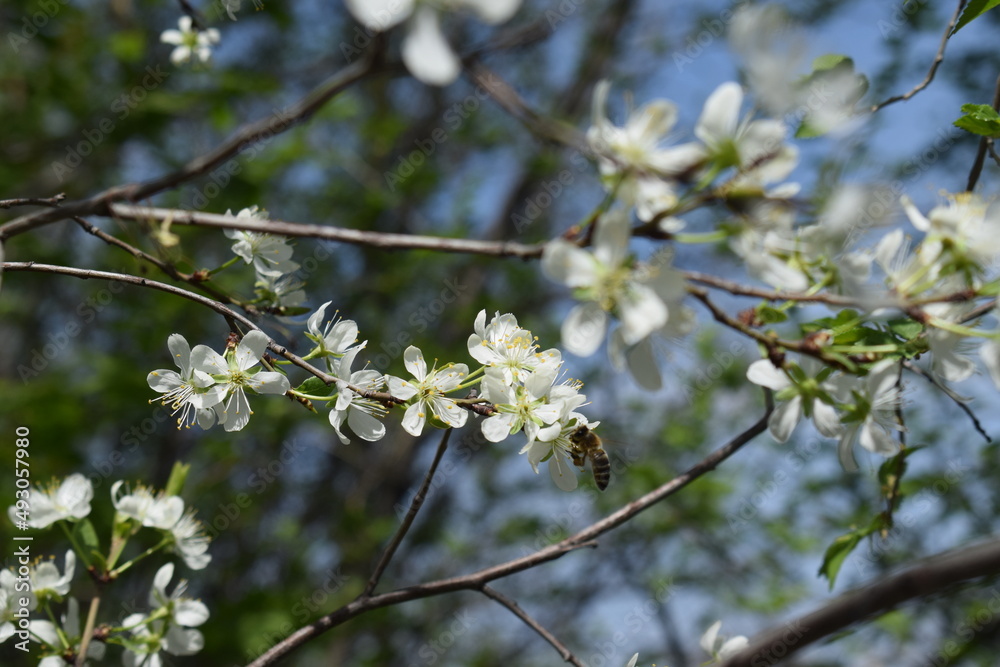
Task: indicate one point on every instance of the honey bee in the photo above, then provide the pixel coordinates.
(586, 445)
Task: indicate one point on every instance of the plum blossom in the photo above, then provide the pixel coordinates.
(631, 156)
(720, 648)
(607, 281)
(68, 501)
(871, 415)
(270, 254)
(168, 628)
(520, 406)
(360, 413)
(430, 389)
(148, 509)
(426, 52)
(47, 583)
(65, 635)
(234, 376)
(799, 392)
(185, 392)
(507, 350)
(190, 541)
(190, 43)
(333, 339)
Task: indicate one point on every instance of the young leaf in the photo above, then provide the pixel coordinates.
(979, 119)
(835, 555)
(974, 10)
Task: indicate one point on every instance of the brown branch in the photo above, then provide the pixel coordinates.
(329, 233)
(934, 65)
(225, 311)
(930, 577)
(984, 144)
(166, 268)
(261, 129)
(477, 580)
(411, 514)
(33, 201)
(515, 608)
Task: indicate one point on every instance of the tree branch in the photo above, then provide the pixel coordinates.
(326, 232)
(277, 123)
(478, 580)
(934, 65)
(411, 514)
(515, 608)
(930, 577)
(223, 310)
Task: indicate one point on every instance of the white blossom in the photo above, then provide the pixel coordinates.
(189, 42)
(360, 413)
(233, 377)
(607, 281)
(505, 348)
(430, 389)
(871, 416)
(69, 501)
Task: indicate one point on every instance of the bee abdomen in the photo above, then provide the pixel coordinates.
(601, 465)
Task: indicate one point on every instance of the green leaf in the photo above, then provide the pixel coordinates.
(905, 329)
(979, 119)
(842, 547)
(835, 555)
(830, 61)
(973, 11)
(313, 385)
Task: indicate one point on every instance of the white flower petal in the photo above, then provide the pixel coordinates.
(583, 330)
(426, 51)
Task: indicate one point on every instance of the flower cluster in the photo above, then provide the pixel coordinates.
(189, 42)
(166, 628)
(426, 52)
(213, 388)
(518, 386)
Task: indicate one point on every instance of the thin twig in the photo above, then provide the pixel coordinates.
(913, 368)
(166, 268)
(33, 201)
(329, 233)
(984, 144)
(515, 608)
(260, 130)
(934, 65)
(477, 580)
(411, 514)
(222, 309)
(930, 577)
(866, 304)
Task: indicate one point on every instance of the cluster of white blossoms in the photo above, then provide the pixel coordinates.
(167, 627)
(271, 257)
(212, 388)
(190, 43)
(519, 388)
(426, 52)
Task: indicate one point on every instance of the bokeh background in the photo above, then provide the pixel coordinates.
(300, 519)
